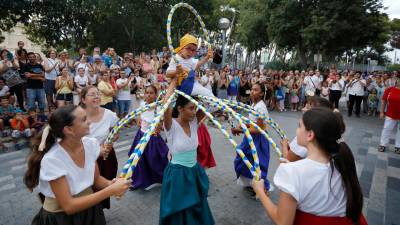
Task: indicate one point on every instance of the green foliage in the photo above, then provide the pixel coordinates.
(126, 25)
(253, 24)
(329, 27)
(395, 33)
(11, 12)
(393, 67)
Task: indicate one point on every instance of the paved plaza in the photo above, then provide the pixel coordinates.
(379, 175)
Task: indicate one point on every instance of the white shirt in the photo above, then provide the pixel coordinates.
(4, 90)
(82, 81)
(178, 140)
(336, 86)
(315, 188)
(124, 93)
(52, 75)
(312, 83)
(100, 130)
(259, 107)
(357, 88)
(85, 68)
(146, 118)
(297, 149)
(189, 64)
(93, 80)
(206, 82)
(57, 163)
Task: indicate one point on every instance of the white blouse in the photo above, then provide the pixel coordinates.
(189, 64)
(178, 140)
(101, 129)
(316, 189)
(146, 118)
(259, 107)
(57, 163)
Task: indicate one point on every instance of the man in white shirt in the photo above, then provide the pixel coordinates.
(312, 82)
(356, 93)
(123, 94)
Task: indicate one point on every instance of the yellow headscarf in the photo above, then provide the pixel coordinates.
(185, 40)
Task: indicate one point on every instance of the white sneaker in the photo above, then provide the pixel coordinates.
(271, 188)
(152, 186)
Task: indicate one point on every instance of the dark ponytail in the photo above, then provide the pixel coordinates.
(180, 102)
(61, 117)
(344, 163)
(328, 128)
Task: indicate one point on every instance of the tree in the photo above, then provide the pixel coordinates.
(12, 12)
(395, 33)
(61, 23)
(125, 25)
(329, 27)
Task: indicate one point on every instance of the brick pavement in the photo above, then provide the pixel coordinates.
(379, 175)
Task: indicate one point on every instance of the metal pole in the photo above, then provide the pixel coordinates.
(223, 48)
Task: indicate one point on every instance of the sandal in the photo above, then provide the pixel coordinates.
(397, 150)
(381, 148)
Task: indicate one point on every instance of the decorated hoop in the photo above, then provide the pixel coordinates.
(169, 20)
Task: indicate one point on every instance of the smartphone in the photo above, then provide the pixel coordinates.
(10, 56)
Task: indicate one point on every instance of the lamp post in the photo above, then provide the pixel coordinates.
(369, 61)
(223, 24)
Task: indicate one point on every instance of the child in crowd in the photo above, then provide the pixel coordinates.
(325, 90)
(294, 96)
(93, 77)
(81, 80)
(7, 112)
(372, 102)
(36, 122)
(20, 126)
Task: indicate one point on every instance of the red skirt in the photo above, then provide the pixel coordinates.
(303, 218)
(204, 154)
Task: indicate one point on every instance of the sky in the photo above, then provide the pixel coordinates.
(393, 10)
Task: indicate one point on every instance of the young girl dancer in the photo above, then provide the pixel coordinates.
(293, 151)
(65, 171)
(185, 183)
(260, 142)
(322, 188)
(150, 168)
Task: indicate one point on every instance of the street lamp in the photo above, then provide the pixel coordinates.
(354, 59)
(223, 24)
(369, 61)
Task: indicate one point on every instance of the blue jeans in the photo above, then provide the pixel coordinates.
(123, 106)
(36, 95)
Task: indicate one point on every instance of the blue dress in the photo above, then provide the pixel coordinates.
(262, 147)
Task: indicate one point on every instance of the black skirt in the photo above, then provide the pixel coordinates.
(91, 216)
